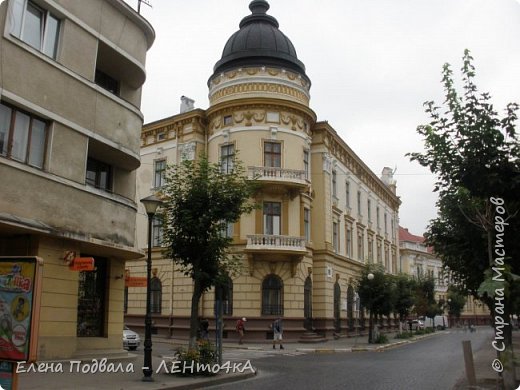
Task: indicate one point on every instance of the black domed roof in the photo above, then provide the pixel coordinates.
(259, 42)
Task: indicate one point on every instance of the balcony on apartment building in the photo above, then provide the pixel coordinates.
(291, 179)
(275, 244)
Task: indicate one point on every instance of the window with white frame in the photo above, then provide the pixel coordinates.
(35, 26)
(227, 229)
(159, 173)
(227, 157)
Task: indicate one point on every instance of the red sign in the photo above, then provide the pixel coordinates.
(82, 264)
(135, 281)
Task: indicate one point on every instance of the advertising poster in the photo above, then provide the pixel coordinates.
(19, 279)
(7, 378)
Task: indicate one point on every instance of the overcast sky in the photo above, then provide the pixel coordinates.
(372, 64)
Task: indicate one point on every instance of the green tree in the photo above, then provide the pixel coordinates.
(475, 155)
(456, 301)
(425, 304)
(376, 293)
(405, 287)
(199, 201)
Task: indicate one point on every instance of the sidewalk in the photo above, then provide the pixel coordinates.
(486, 377)
(123, 380)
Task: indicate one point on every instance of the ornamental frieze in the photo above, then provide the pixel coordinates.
(247, 72)
(260, 88)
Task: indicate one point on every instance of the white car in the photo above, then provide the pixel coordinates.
(131, 339)
(415, 324)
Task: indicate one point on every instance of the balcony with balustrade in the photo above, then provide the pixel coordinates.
(275, 244)
(291, 179)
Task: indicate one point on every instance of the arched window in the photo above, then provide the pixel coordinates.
(156, 295)
(272, 295)
(227, 297)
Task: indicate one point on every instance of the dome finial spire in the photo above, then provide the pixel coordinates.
(259, 7)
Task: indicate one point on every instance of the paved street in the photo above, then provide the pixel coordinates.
(433, 363)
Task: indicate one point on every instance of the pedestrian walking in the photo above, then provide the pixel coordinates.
(241, 328)
(277, 327)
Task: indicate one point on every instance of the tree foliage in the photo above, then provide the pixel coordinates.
(456, 301)
(405, 287)
(475, 155)
(199, 201)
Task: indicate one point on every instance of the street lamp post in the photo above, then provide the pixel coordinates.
(151, 203)
(370, 277)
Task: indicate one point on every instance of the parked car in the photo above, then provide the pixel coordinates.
(131, 339)
(415, 324)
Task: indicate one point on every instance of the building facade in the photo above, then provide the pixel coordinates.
(322, 216)
(419, 260)
(70, 123)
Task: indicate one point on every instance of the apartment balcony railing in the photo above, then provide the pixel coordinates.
(275, 244)
(293, 178)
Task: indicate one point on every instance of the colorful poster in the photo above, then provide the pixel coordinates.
(7, 375)
(18, 277)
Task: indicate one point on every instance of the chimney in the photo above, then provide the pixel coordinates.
(187, 104)
(387, 177)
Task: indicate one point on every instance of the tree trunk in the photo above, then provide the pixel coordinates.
(194, 320)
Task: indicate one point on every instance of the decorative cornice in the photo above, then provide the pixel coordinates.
(258, 87)
(343, 153)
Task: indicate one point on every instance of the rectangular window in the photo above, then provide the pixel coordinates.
(377, 218)
(306, 164)
(334, 184)
(335, 241)
(359, 202)
(91, 300)
(361, 245)
(227, 230)
(36, 27)
(157, 231)
(107, 82)
(379, 253)
(307, 224)
(386, 223)
(349, 240)
(99, 174)
(22, 137)
(347, 193)
(227, 157)
(272, 218)
(159, 173)
(370, 248)
(273, 154)
(228, 120)
(369, 208)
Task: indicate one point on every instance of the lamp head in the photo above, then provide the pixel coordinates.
(151, 203)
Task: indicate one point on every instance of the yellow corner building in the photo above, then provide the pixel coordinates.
(323, 213)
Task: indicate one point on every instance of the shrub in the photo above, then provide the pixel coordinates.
(199, 361)
(381, 339)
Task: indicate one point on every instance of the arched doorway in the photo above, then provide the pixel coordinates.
(337, 307)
